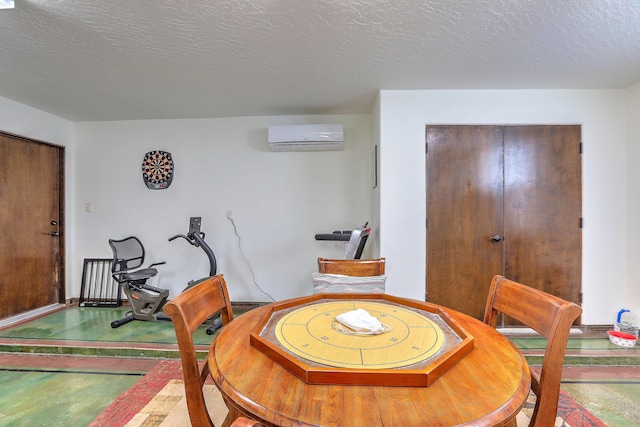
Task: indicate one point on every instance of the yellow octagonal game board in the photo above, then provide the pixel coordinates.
(420, 342)
(312, 332)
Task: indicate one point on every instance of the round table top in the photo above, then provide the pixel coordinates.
(487, 387)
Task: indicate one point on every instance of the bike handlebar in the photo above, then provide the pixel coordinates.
(197, 240)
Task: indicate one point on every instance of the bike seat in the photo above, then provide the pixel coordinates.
(143, 274)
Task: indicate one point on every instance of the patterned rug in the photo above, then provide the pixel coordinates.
(132, 401)
(157, 400)
(570, 413)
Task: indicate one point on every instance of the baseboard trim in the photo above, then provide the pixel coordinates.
(585, 331)
(246, 305)
(596, 329)
(28, 316)
(236, 305)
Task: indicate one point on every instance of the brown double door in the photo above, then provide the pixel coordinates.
(502, 200)
(31, 247)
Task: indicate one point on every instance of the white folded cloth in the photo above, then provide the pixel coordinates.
(362, 322)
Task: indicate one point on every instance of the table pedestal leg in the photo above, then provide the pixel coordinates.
(233, 414)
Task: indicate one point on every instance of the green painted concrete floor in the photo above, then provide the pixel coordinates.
(94, 325)
(64, 369)
(57, 399)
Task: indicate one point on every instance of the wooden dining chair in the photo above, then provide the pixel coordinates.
(552, 318)
(352, 267)
(188, 311)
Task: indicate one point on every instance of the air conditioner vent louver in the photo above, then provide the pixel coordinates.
(306, 137)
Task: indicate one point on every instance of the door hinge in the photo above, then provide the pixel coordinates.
(426, 296)
(426, 147)
(580, 297)
(581, 147)
(426, 223)
(581, 223)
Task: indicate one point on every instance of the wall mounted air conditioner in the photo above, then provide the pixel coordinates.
(306, 137)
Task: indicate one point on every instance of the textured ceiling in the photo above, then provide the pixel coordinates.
(144, 59)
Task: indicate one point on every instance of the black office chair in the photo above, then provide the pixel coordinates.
(146, 301)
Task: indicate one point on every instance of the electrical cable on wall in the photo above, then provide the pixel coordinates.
(255, 282)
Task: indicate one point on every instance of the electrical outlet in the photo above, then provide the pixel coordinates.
(229, 214)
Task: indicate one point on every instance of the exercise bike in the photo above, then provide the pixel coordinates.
(147, 301)
(196, 238)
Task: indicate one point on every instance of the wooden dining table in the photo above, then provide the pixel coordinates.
(485, 386)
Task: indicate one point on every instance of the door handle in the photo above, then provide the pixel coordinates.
(496, 238)
(54, 233)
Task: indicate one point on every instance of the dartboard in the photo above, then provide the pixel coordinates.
(157, 169)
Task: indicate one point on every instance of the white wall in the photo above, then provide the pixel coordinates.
(602, 115)
(20, 119)
(279, 200)
(376, 181)
(633, 202)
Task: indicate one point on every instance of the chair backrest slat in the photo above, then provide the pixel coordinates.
(352, 267)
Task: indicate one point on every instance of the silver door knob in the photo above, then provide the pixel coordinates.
(496, 238)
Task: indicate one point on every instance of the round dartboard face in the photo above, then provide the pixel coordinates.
(313, 333)
(157, 169)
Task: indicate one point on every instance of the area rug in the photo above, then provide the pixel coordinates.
(570, 413)
(157, 400)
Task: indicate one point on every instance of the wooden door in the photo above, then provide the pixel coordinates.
(502, 200)
(31, 260)
(464, 208)
(542, 210)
